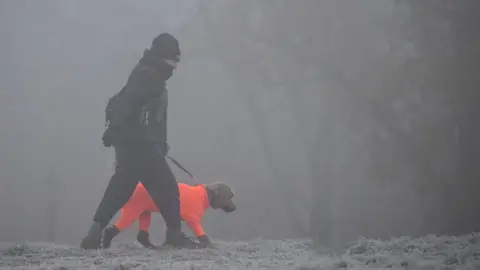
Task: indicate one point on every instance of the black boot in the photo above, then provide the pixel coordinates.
(108, 234)
(94, 238)
(144, 238)
(177, 239)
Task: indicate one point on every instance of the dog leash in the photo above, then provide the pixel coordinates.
(174, 161)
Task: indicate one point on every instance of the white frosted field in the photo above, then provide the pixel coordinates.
(425, 253)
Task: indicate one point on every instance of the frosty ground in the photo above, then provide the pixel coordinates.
(430, 252)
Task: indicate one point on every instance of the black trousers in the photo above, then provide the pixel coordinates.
(144, 162)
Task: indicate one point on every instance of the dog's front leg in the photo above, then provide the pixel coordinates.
(205, 242)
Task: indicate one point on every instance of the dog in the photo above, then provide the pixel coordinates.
(194, 200)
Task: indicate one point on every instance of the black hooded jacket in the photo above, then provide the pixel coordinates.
(139, 111)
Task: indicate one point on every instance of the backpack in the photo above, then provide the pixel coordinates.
(111, 104)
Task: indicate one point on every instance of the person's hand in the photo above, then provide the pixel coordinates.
(162, 148)
(166, 148)
(204, 242)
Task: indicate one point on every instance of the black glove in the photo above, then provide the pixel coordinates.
(144, 238)
(108, 137)
(166, 148)
(162, 148)
(205, 242)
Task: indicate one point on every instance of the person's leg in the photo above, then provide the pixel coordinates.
(117, 193)
(122, 184)
(162, 187)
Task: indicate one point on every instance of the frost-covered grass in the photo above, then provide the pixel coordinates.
(430, 252)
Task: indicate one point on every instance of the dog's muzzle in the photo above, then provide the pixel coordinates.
(229, 208)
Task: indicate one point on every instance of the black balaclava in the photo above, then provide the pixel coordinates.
(166, 46)
(164, 54)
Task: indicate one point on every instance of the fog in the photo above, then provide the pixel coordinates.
(331, 120)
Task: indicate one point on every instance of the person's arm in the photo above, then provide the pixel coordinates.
(162, 119)
(143, 225)
(166, 147)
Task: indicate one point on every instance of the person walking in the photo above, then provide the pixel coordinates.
(137, 129)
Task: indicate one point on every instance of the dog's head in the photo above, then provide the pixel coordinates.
(220, 196)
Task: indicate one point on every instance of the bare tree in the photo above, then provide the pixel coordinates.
(374, 98)
(446, 37)
(279, 46)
